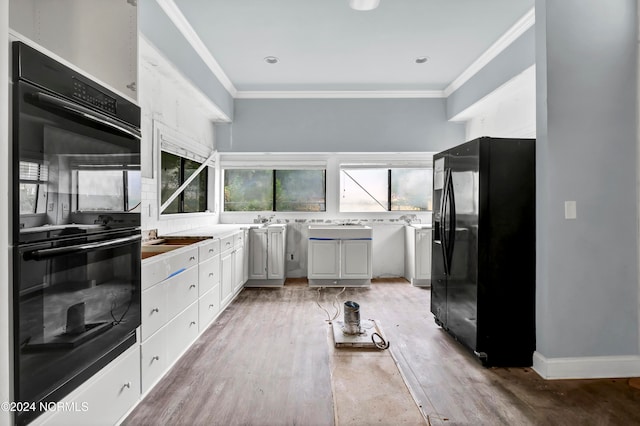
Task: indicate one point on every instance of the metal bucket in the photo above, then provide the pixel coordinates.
(351, 318)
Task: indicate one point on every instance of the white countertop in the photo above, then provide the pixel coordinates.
(212, 231)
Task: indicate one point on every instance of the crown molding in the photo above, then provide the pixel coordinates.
(340, 94)
(179, 20)
(522, 25)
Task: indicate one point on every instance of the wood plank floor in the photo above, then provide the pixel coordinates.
(266, 361)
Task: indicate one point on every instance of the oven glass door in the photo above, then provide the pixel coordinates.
(75, 170)
(79, 298)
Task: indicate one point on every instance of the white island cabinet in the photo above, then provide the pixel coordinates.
(417, 264)
(267, 256)
(339, 256)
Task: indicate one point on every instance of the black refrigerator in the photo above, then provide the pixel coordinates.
(483, 249)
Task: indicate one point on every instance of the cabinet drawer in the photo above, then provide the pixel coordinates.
(209, 306)
(208, 250)
(209, 274)
(161, 267)
(181, 331)
(114, 391)
(154, 309)
(227, 243)
(153, 359)
(182, 290)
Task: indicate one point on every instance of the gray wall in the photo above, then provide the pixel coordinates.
(587, 279)
(512, 61)
(154, 24)
(339, 125)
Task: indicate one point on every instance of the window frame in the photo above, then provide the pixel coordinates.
(182, 177)
(169, 140)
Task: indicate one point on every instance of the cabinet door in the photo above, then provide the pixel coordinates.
(356, 259)
(238, 265)
(423, 254)
(276, 253)
(324, 259)
(226, 276)
(258, 254)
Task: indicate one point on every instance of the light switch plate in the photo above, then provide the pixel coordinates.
(570, 211)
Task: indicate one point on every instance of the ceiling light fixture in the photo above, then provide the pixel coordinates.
(364, 4)
(271, 60)
(421, 59)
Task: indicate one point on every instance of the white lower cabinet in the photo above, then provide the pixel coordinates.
(181, 332)
(266, 253)
(339, 262)
(105, 398)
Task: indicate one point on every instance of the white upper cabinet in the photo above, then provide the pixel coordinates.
(97, 36)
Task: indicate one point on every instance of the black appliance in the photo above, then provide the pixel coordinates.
(483, 251)
(76, 227)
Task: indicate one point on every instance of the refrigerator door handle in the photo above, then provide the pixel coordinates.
(451, 222)
(443, 221)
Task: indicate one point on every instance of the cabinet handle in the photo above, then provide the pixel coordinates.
(211, 306)
(155, 310)
(228, 243)
(210, 274)
(155, 358)
(192, 286)
(192, 258)
(210, 250)
(192, 323)
(127, 385)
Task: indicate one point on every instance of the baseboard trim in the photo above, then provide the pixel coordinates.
(586, 367)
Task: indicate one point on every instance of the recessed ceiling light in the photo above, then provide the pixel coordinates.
(364, 4)
(271, 60)
(421, 59)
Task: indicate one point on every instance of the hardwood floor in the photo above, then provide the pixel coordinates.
(266, 361)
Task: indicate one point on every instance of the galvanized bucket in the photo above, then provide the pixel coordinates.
(351, 318)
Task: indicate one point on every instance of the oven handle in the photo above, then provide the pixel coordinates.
(87, 113)
(80, 248)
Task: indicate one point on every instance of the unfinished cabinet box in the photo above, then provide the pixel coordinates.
(417, 263)
(339, 256)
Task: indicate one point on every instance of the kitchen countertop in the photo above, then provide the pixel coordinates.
(212, 231)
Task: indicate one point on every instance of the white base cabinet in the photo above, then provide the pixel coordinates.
(105, 398)
(267, 256)
(339, 263)
(417, 263)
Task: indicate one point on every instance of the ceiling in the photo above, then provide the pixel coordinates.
(324, 45)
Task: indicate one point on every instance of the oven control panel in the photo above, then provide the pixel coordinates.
(93, 96)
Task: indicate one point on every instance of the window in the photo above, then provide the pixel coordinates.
(108, 189)
(385, 189)
(175, 170)
(33, 187)
(274, 190)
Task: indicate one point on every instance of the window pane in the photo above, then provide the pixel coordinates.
(411, 189)
(248, 190)
(195, 194)
(300, 191)
(364, 190)
(169, 181)
(100, 190)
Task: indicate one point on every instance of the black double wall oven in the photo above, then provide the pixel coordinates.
(76, 228)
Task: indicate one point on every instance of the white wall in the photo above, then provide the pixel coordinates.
(5, 278)
(167, 97)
